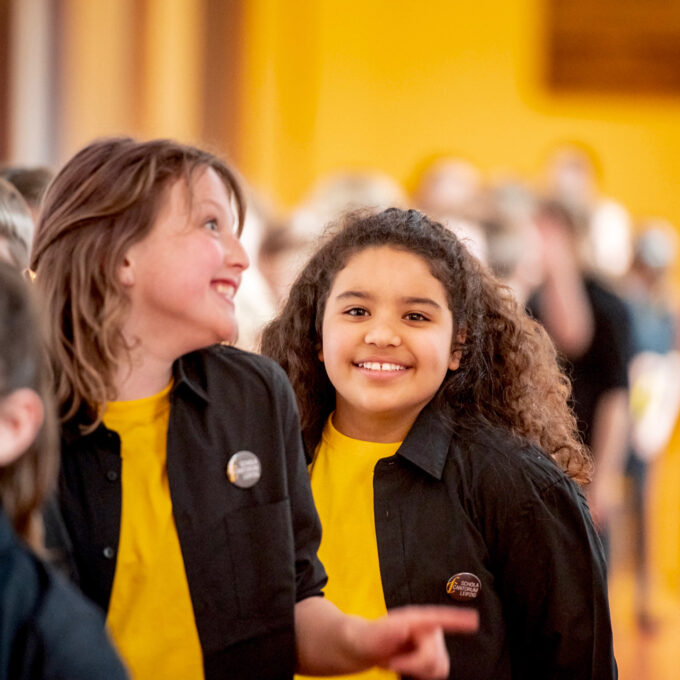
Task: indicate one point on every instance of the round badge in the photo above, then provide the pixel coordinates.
(244, 469)
(463, 586)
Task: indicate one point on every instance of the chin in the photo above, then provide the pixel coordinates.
(230, 337)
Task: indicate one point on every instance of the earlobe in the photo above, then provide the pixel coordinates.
(125, 273)
(21, 415)
(454, 361)
(319, 354)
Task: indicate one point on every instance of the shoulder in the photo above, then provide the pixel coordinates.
(508, 484)
(243, 362)
(501, 463)
(226, 367)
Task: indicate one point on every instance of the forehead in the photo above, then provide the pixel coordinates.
(390, 267)
(203, 189)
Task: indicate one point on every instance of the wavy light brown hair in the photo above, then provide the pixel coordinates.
(26, 483)
(103, 201)
(508, 376)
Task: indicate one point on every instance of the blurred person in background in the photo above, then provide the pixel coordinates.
(257, 303)
(16, 227)
(286, 246)
(451, 190)
(31, 181)
(572, 178)
(654, 373)
(513, 242)
(590, 327)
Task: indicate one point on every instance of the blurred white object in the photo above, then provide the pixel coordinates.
(611, 238)
(655, 401)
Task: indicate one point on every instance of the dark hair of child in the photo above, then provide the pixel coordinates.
(26, 483)
(508, 376)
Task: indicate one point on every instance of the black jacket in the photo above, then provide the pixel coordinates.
(48, 631)
(249, 553)
(495, 506)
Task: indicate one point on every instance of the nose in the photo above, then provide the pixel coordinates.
(235, 255)
(382, 334)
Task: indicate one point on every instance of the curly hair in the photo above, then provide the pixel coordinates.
(103, 201)
(509, 374)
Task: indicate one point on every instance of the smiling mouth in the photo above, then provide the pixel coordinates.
(376, 366)
(226, 290)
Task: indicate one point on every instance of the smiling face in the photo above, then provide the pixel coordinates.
(387, 339)
(182, 277)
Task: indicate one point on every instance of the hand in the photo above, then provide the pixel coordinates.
(410, 640)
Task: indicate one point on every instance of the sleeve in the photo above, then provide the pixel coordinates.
(310, 574)
(553, 584)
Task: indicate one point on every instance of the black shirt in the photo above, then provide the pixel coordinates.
(604, 365)
(493, 505)
(249, 553)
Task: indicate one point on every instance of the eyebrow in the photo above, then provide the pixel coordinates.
(407, 300)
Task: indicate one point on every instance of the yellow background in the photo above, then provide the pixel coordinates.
(329, 84)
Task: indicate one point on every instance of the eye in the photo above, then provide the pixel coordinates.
(212, 225)
(356, 311)
(416, 316)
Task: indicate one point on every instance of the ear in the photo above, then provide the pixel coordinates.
(454, 361)
(21, 415)
(319, 353)
(126, 273)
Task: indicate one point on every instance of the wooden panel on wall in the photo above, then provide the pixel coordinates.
(222, 66)
(626, 46)
(4, 79)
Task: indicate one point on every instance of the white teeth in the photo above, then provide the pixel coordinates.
(375, 366)
(225, 289)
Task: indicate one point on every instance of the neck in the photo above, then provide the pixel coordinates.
(374, 429)
(145, 375)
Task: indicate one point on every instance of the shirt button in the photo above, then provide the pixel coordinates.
(108, 552)
(112, 475)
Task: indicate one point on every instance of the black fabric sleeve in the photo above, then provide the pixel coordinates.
(553, 586)
(310, 574)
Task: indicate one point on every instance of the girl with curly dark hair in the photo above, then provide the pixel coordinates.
(444, 462)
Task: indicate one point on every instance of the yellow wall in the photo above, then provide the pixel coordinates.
(387, 83)
(130, 68)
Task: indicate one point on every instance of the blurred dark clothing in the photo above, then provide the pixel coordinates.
(47, 629)
(604, 365)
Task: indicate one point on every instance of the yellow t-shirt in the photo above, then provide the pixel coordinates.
(150, 617)
(342, 484)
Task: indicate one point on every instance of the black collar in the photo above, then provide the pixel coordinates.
(189, 371)
(427, 443)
